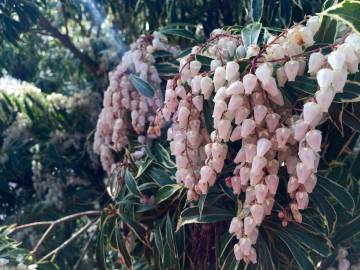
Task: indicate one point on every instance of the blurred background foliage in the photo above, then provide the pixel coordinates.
(66, 48)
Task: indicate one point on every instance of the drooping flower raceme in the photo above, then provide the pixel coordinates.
(125, 109)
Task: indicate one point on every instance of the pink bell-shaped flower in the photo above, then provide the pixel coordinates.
(207, 173)
(291, 162)
(236, 88)
(336, 59)
(264, 72)
(302, 199)
(236, 134)
(258, 164)
(195, 67)
(324, 98)
(253, 236)
(307, 156)
(339, 80)
(257, 98)
(299, 129)
(291, 70)
(278, 98)
(257, 212)
(249, 225)
(202, 187)
(272, 181)
(219, 77)
(236, 184)
(310, 183)
(244, 175)
(219, 150)
(240, 156)
(324, 77)
(207, 87)
(303, 172)
(195, 85)
(245, 245)
(249, 82)
(241, 114)
(316, 61)
(252, 257)
(219, 109)
(263, 146)
(232, 71)
(198, 102)
(273, 166)
(281, 76)
(261, 192)
(272, 121)
(271, 87)
(269, 204)
(236, 226)
(256, 177)
(236, 101)
(238, 252)
(313, 139)
(282, 136)
(250, 195)
(218, 165)
(260, 112)
(312, 113)
(293, 184)
(247, 127)
(224, 128)
(250, 152)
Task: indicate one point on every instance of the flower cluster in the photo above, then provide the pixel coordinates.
(249, 108)
(125, 108)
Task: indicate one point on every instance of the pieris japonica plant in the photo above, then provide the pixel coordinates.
(248, 153)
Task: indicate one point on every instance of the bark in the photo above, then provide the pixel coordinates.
(89, 64)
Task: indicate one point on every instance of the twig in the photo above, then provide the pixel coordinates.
(83, 251)
(72, 238)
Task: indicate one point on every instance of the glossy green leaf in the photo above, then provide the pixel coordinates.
(169, 234)
(325, 208)
(142, 86)
(349, 231)
(131, 184)
(250, 34)
(328, 26)
(184, 33)
(204, 60)
(346, 11)
(167, 192)
(122, 247)
(136, 227)
(209, 215)
(265, 258)
(209, 121)
(257, 9)
(341, 194)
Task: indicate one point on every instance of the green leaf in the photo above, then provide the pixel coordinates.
(162, 53)
(167, 192)
(167, 68)
(257, 9)
(250, 34)
(325, 208)
(204, 60)
(230, 262)
(208, 109)
(159, 240)
(301, 257)
(351, 120)
(185, 53)
(210, 214)
(184, 33)
(349, 231)
(122, 247)
(136, 227)
(169, 234)
(265, 258)
(341, 194)
(131, 184)
(160, 176)
(328, 26)
(143, 87)
(346, 11)
(285, 12)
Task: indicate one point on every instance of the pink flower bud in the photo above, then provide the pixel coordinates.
(206, 85)
(252, 256)
(313, 139)
(312, 113)
(269, 204)
(244, 175)
(263, 146)
(307, 36)
(324, 77)
(256, 177)
(257, 212)
(214, 64)
(282, 136)
(271, 87)
(281, 76)
(249, 82)
(343, 264)
(339, 79)
(236, 134)
(249, 226)
(198, 102)
(307, 157)
(241, 114)
(303, 172)
(253, 236)
(291, 70)
(240, 156)
(247, 127)
(273, 166)
(224, 129)
(236, 184)
(291, 162)
(232, 71)
(272, 121)
(250, 152)
(264, 72)
(258, 164)
(208, 175)
(219, 77)
(250, 195)
(195, 85)
(220, 94)
(202, 187)
(324, 98)
(272, 181)
(219, 150)
(299, 129)
(316, 61)
(236, 88)
(310, 183)
(293, 184)
(236, 101)
(219, 109)
(302, 199)
(261, 192)
(236, 226)
(238, 252)
(260, 112)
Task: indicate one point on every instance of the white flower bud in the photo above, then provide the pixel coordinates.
(336, 59)
(214, 64)
(264, 72)
(291, 69)
(316, 61)
(219, 77)
(232, 71)
(324, 77)
(195, 67)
